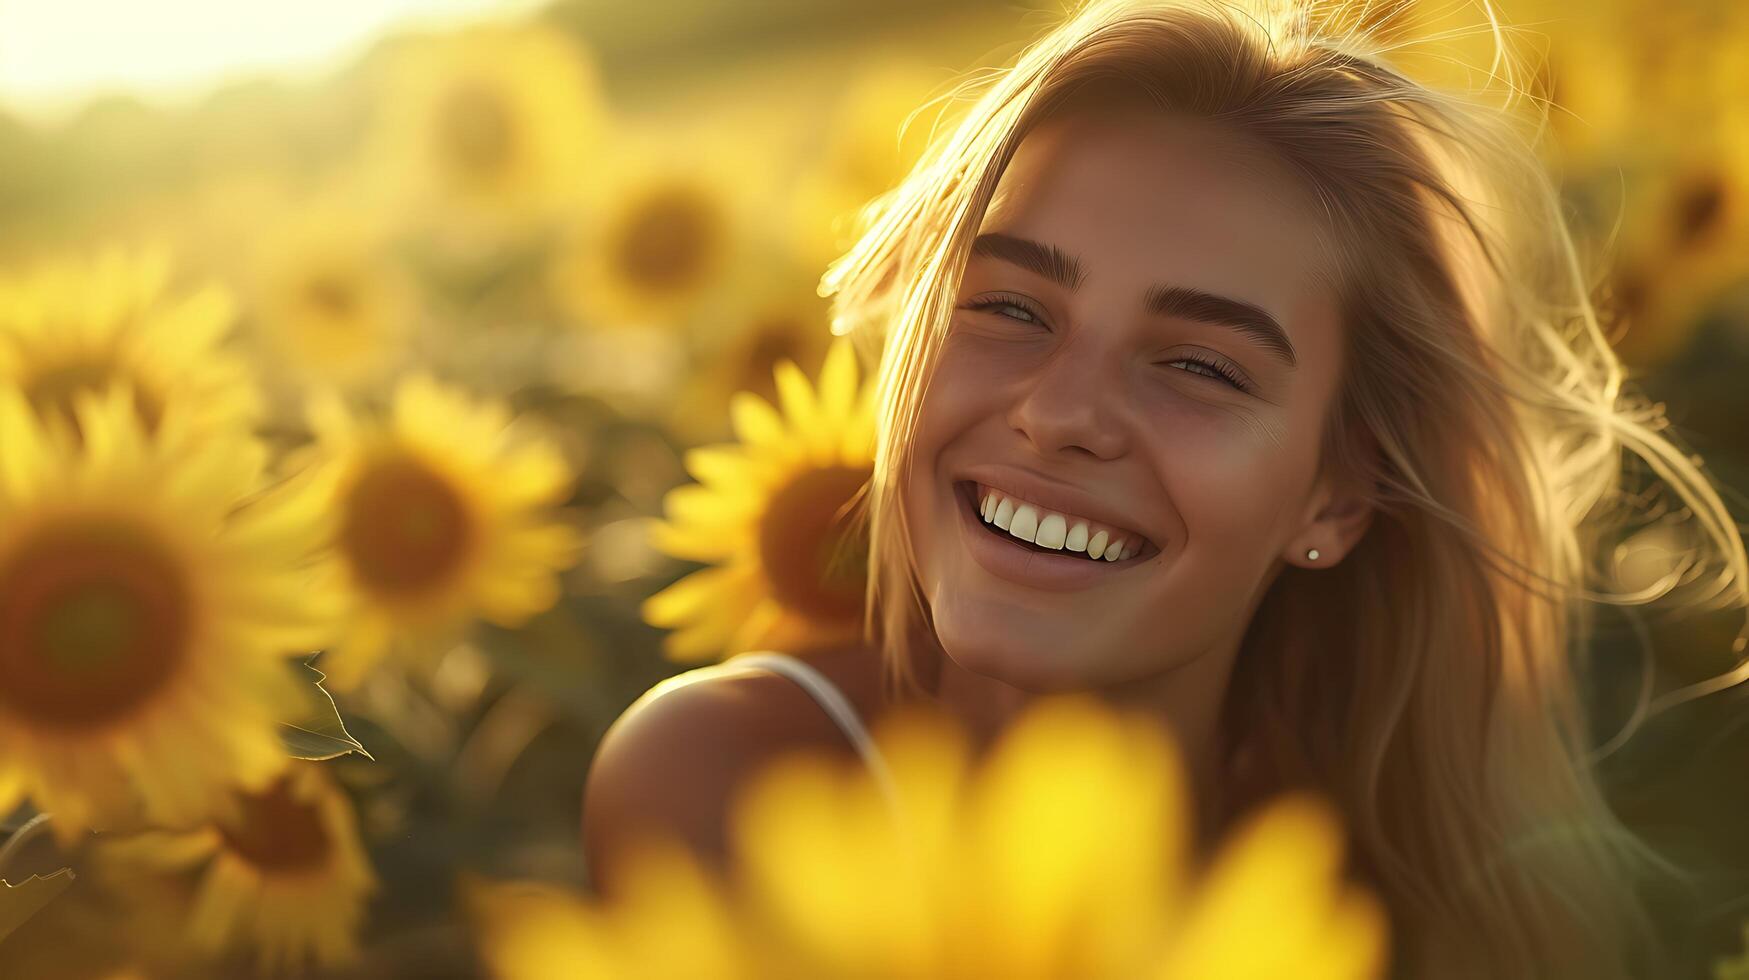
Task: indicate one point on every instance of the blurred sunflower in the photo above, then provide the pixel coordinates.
(286, 875)
(445, 513)
(333, 306)
(1684, 245)
(106, 927)
(70, 325)
(657, 232)
(484, 129)
(149, 588)
(773, 513)
(867, 149)
(1735, 966)
(1064, 854)
(672, 921)
(1653, 142)
(772, 316)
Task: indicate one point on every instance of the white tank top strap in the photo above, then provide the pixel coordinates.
(836, 705)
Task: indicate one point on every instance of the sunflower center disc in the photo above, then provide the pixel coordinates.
(815, 566)
(404, 528)
(94, 620)
(667, 241)
(278, 832)
(475, 132)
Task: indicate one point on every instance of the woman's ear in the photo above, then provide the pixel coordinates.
(1333, 532)
(1339, 511)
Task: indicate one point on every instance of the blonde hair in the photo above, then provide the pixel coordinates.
(1427, 683)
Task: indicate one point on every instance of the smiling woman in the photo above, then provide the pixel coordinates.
(1218, 276)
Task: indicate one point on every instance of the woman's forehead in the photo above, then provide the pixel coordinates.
(1158, 196)
(1151, 161)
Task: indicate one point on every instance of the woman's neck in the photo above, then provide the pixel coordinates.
(1187, 699)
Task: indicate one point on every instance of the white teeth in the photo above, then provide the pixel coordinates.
(1004, 513)
(1051, 532)
(1024, 521)
(1096, 547)
(1077, 540)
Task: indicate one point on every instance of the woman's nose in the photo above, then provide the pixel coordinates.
(1070, 402)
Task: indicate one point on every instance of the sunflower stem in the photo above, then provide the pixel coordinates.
(32, 828)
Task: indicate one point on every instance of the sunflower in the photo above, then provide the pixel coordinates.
(1063, 854)
(332, 304)
(674, 921)
(772, 513)
(486, 128)
(285, 875)
(656, 234)
(446, 513)
(867, 149)
(77, 325)
(1683, 250)
(1735, 966)
(772, 316)
(149, 588)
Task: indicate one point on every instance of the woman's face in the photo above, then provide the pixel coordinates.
(1140, 343)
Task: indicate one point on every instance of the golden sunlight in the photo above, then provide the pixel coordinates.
(50, 57)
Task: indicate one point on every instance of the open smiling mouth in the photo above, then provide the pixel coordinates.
(966, 491)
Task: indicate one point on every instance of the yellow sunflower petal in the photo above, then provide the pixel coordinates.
(838, 383)
(23, 464)
(1268, 899)
(799, 403)
(755, 421)
(689, 544)
(676, 603)
(727, 469)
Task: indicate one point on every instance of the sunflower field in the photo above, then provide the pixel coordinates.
(371, 437)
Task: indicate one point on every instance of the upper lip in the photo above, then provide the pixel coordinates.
(1060, 497)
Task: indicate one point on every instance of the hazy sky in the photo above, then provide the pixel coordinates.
(54, 53)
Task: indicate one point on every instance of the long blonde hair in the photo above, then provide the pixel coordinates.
(1427, 683)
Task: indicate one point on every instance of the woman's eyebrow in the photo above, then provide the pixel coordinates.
(1184, 302)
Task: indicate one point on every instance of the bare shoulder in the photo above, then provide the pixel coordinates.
(672, 762)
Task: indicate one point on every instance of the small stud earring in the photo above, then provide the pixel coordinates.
(1312, 554)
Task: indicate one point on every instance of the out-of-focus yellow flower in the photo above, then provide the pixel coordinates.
(150, 587)
(867, 149)
(446, 513)
(333, 306)
(1649, 128)
(286, 875)
(672, 921)
(771, 512)
(1734, 967)
(98, 931)
(770, 317)
(481, 131)
(657, 231)
(1064, 855)
(1685, 239)
(76, 325)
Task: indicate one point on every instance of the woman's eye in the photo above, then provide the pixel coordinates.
(1212, 370)
(1032, 316)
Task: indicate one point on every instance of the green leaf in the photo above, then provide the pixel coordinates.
(317, 734)
(21, 901)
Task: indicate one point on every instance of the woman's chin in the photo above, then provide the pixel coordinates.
(1035, 670)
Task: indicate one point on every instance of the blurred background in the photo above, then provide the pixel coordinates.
(603, 220)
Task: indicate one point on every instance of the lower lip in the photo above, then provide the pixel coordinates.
(1055, 573)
